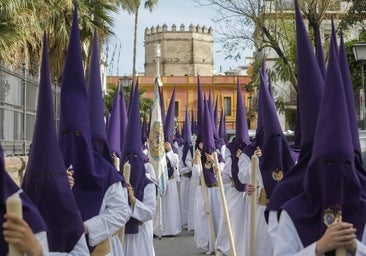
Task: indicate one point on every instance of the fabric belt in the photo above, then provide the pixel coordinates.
(101, 249)
(213, 185)
(262, 199)
(186, 175)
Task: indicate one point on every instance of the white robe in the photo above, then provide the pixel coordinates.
(263, 245)
(142, 242)
(170, 207)
(202, 234)
(236, 207)
(184, 188)
(114, 213)
(288, 241)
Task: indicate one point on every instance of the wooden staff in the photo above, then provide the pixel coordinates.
(14, 205)
(341, 251)
(207, 203)
(126, 174)
(253, 206)
(224, 205)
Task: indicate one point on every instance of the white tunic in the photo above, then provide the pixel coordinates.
(288, 241)
(114, 213)
(170, 224)
(142, 242)
(184, 187)
(263, 245)
(202, 235)
(236, 207)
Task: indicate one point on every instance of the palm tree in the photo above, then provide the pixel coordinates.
(22, 23)
(132, 6)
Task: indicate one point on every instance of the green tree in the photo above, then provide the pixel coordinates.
(22, 23)
(145, 103)
(355, 15)
(132, 7)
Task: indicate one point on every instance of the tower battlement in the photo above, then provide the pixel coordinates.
(191, 29)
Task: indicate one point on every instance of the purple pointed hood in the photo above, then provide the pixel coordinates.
(200, 111)
(96, 105)
(93, 174)
(276, 157)
(309, 89)
(124, 119)
(45, 180)
(241, 129)
(332, 157)
(132, 153)
(114, 127)
(187, 136)
(222, 127)
(319, 52)
(352, 114)
(169, 120)
(208, 145)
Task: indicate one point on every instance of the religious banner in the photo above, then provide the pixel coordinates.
(156, 141)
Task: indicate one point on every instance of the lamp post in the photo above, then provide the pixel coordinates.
(359, 50)
(125, 81)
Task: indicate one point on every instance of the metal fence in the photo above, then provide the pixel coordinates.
(18, 104)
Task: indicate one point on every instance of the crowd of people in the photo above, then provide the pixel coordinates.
(91, 188)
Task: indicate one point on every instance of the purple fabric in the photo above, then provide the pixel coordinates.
(352, 114)
(93, 174)
(162, 103)
(169, 120)
(132, 153)
(45, 179)
(114, 126)
(222, 127)
(187, 136)
(332, 157)
(276, 157)
(30, 212)
(124, 120)
(310, 89)
(96, 105)
(241, 137)
(319, 53)
(200, 111)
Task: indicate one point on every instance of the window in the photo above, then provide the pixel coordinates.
(227, 106)
(176, 105)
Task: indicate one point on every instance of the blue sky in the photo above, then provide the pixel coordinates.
(120, 48)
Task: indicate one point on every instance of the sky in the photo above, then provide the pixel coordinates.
(120, 48)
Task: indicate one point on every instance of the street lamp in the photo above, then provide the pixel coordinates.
(359, 50)
(125, 81)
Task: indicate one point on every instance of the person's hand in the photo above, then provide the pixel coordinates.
(18, 233)
(70, 177)
(338, 234)
(258, 152)
(238, 153)
(167, 146)
(210, 157)
(131, 194)
(200, 145)
(197, 156)
(250, 188)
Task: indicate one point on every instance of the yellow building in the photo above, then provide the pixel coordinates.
(221, 88)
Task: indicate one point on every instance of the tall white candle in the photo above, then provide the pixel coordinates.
(14, 205)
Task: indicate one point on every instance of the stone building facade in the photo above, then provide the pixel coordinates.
(183, 52)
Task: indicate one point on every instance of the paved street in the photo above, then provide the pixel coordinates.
(181, 245)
